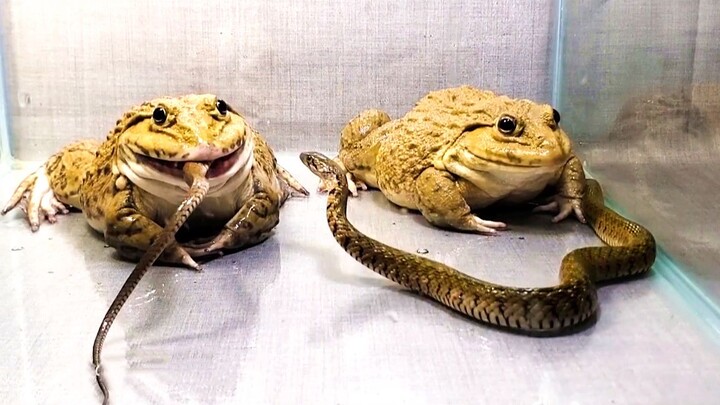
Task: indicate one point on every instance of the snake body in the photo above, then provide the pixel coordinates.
(630, 251)
(194, 174)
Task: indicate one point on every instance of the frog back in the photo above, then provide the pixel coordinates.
(418, 140)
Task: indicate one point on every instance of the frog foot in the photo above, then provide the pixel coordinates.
(225, 240)
(174, 255)
(36, 199)
(212, 247)
(474, 223)
(177, 254)
(563, 206)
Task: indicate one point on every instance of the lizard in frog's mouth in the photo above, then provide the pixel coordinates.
(163, 177)
(218, 167)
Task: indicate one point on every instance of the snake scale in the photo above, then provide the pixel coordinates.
(194, 174)
(630, 250)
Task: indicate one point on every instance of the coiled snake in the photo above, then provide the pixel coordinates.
(630, 251)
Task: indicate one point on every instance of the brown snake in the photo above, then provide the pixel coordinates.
(630, 251)
(194, 174)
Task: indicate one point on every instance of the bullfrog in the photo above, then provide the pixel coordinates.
(129, 184)
(462, 149)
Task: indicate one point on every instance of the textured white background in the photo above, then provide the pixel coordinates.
(298, 69)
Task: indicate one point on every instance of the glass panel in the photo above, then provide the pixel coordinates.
(641, 91)
(4, 130)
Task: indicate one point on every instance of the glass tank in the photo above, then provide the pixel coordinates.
(295, 319)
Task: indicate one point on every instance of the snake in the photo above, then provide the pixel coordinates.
(194, 175)
(629, 250)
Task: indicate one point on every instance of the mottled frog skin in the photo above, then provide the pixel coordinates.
(463, 149)
(128, 185)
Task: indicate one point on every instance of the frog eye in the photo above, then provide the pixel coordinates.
(556, 116)
(222, 107)
(506, 124)
(159, 115)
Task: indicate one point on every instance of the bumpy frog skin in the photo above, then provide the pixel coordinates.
(130, 184)
(463, 149)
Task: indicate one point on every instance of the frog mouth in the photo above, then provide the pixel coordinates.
(164, 178)
(217, 167)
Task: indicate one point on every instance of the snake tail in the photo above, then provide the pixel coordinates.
(194, 174)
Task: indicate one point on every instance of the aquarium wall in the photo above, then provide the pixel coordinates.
(5, 157)
(621, 52)
(640, 91)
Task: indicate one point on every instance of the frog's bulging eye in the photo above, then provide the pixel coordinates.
(556, 116)
(222, 107)
(506, 125)
(159, 115)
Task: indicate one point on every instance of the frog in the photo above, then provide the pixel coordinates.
(129, 184)
(463, 149)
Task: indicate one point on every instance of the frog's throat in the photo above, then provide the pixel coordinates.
(486, 174)
(171, 188)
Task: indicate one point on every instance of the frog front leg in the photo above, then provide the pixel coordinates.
(132, 233)
(36, 199)
(251, 225)
(441, 202)
(570, 192)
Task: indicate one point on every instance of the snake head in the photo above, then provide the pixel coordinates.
(321, 165)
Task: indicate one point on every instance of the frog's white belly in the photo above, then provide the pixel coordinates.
(215, 206)
(487, 182)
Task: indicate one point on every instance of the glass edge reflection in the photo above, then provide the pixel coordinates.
(678, 281)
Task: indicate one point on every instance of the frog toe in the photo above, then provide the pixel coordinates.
(176, 254)
(19, 196)
(36, 200)
(563, 207)
(483, 226)
(468, 223)
(50, 207)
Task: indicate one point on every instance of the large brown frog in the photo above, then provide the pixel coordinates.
(130, 184)
(462, 149)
